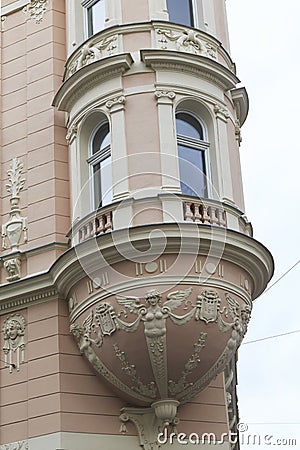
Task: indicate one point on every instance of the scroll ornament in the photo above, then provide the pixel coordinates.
(14, 346)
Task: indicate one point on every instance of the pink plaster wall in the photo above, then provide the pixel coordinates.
(33, 57)
(135, 11)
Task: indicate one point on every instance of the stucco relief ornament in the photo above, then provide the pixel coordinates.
(3, 20)
(13, 268)
(36, 9)
(186, 40)
(14, 347)
(16, 227)
(20, 445)
(91, 52)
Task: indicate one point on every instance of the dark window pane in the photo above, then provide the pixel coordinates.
(96, 183)
(101, 138)
(188, 126)
(181, 11)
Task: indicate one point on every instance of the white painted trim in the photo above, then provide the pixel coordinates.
(13, 7)
(195, 13)
(158, 10)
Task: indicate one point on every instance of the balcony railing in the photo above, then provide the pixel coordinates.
(99, 224)
(92, 225)
(202, 211)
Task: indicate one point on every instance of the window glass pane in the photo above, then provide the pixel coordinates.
(96, 17)
(188, 126)
(101, 138)
(102, 182)
(106, 181)
(192, 171)
(181, 11)
(96, 184)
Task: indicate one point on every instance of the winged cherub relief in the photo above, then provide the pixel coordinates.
(153, 313)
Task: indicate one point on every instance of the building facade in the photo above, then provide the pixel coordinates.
(128, 264)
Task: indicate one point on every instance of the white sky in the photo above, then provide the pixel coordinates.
(265, 39)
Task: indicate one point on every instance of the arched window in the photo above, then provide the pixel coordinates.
(192, 148)
(95, 15)
(181, 12)
(100, 165)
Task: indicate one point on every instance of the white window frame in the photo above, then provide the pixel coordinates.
(94, 159)
(204, 146)
(87, 4)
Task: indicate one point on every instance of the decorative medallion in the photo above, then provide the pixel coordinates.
(14, 346)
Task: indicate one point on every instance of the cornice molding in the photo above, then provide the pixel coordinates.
(25, 301)
(89, 76)
(189, 63)
(234, 247)
(241, 103)
(78, 261)
(13, 7)
(147, 283)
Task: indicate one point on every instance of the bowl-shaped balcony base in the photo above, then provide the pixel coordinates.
(159, 310)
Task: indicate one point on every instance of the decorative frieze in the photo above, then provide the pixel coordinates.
(229, 317)
(14, 346)
(190, 41)
(93, 51)
(36, 9)
(21, 302)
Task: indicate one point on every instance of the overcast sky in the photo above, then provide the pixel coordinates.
(265, 39)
